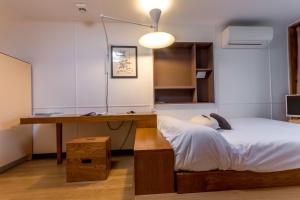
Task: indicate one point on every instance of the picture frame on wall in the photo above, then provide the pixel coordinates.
(124, 62)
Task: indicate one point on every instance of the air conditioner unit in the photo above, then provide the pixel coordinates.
(247, 37)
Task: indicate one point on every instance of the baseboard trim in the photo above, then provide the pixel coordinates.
(128, 152)
(46, 156)
(14, 164)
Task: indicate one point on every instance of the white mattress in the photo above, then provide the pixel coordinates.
(254, 144)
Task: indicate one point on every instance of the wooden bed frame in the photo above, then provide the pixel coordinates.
(154, 171)
(189, 182)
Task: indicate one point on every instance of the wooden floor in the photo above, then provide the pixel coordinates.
(43, 180)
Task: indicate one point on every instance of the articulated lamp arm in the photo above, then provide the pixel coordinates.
(126, 21)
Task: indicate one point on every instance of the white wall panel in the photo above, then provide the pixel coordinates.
(279, 111)
(243, 76)
(245, 110)
(279, 71)
(90, 55)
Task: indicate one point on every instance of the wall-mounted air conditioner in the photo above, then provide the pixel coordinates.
(247, 37)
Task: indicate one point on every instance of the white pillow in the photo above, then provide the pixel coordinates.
(206, 121)
(171, 127)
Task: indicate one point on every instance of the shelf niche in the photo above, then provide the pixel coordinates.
(175, 73)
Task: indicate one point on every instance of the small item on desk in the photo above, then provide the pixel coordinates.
(131, 112)
(90, 114)
(47, 114)
(93, 114)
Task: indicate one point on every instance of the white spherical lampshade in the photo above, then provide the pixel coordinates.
(157, 40)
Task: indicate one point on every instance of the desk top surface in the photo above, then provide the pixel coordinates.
(80, 118)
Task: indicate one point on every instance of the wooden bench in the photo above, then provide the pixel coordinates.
(153, 163)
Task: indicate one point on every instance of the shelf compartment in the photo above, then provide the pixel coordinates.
(175, 73)
(205, 91)
(163, 96)
(204, 55)
(173, 66)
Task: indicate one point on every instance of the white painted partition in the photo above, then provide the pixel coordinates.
(15, 102)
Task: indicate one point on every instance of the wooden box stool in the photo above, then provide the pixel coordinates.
(88, 159)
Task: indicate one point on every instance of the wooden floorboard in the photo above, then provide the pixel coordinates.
(45, 180)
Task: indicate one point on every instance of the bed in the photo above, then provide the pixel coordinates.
(256, 153)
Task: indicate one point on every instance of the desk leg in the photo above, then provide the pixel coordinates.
(59, 128)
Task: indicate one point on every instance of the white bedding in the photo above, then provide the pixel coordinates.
(254, 144)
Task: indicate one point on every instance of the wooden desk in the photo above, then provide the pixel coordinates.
(142, 120)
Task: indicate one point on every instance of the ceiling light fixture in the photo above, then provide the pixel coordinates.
(156, 40)
(153, 40)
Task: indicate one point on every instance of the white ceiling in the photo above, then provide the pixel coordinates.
(181, 11)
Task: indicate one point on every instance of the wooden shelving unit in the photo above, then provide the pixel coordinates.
(175, 73)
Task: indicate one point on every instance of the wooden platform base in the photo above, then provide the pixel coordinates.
(190, 182)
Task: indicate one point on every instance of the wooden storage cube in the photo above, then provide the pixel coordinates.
(88, 159)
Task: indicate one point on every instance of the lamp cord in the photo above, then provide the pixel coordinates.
(106, 65)
(114, 128)
(127, 136)
(118, 128)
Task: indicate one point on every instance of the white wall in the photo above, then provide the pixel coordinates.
(68, 74)
(279, 71)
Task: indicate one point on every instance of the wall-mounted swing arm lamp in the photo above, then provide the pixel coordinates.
(153, 40)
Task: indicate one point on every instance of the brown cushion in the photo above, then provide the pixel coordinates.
(223, 123)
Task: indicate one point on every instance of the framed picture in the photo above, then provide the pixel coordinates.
(124, 62)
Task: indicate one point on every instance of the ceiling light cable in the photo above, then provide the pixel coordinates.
(125, 21)
(106, 66)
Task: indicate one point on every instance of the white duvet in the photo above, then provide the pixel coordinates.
(254, 144)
